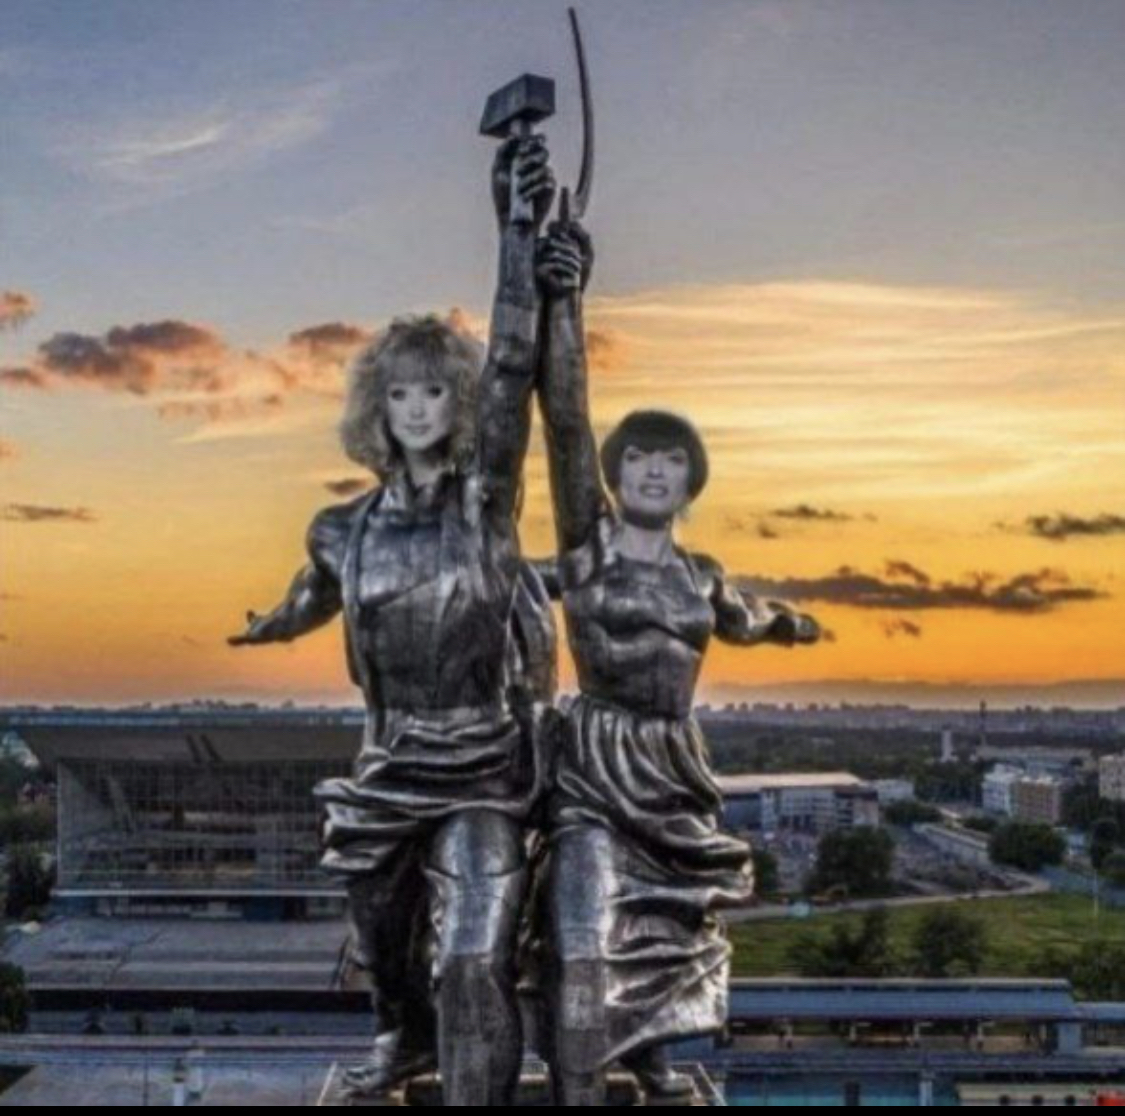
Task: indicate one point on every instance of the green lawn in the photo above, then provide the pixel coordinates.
(1018, 929)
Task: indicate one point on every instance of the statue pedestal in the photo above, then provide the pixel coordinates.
(534, 1092)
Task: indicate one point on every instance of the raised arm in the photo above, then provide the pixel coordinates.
(579, 499)
(314, 596)
(504, 411)
(745, 619)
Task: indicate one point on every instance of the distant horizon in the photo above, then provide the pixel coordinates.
(1083, 696)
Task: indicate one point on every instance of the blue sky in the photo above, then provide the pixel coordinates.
(260, 163)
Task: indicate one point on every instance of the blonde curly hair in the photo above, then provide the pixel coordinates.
(411, 349)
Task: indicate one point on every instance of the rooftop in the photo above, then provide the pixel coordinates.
(755, 784)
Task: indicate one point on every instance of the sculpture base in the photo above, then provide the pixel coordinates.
(534, 1092)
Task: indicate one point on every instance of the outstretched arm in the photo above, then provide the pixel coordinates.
(314, 597)
(566, 259)
(504, 410)
(745, 619)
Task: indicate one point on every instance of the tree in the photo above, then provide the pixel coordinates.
(945, 782)
(911, 812)
(859, 861)
(1105, 834)
(866, 952)
(1027, 846)
(1096, 968)
(1113, 868)
(21, 825)
(29, 883)
(767, 877)
(981, 823)
(949, 942)
(14, 1000)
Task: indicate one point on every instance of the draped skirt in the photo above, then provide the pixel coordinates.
(638, 866)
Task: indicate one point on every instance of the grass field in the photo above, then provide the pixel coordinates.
(1018, 930)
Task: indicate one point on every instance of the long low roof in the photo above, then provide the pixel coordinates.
(904, 1000)
(189, 742)
(798, 780)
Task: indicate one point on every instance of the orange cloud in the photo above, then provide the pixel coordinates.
(607, 350)
(349, 486)
(331, 343)
(23, 379)
(191, 372)
(37, 513)
(8, 450)
(907, 589)
(15, 309)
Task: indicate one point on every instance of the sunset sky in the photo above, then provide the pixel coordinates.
(875, 248)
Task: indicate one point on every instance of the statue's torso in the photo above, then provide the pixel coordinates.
(639, 631)
(433, 594)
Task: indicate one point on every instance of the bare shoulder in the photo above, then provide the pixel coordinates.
(328, 533)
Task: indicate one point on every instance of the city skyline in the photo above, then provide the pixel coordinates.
(875, 254)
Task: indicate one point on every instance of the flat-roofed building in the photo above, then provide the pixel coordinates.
(894, 790)
(1112, 778)
(998, 789)
(200, 813)
(1038, 800)
(808, 803)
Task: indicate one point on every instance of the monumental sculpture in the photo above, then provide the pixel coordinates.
(428, 833)
(450, 637)
(638, 860)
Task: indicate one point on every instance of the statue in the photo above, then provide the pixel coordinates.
(428, 833)
(638, 862)
(450, 637)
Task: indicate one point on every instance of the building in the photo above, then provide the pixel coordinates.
(788, 1042)
(188, 814)
(1111, 772)
(12, 747)
(998, 789)
(964, 845)
(1038, 800)
(948, 746)
(806, 803)
(1062, 762)
(894, 790)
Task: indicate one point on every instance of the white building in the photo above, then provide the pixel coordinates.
(1112, 778)
(999, 789)
(808, 803)
(12, 747)
(894, 790)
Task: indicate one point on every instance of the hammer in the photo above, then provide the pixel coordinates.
(514, 111)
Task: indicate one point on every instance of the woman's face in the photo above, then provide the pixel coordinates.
(420, 413)
(654, 484)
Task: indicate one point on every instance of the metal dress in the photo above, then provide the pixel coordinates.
(639, 860)
(427, 602)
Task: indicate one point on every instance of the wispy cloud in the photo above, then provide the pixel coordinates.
(37, 513)
(1063, 527)
(805, 513)
(191, 149)
(16, 307)
(23, 379)
(852, 391)
(904, 588)
(900, 629)
(349, 486)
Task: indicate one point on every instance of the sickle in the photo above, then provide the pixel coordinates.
(586, 179)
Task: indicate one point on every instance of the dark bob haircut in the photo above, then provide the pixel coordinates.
(656, 430)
